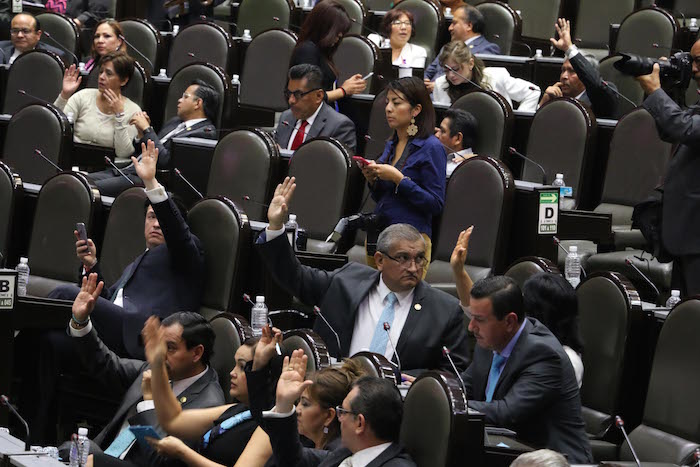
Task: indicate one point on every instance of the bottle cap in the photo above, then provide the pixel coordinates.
(573, 249)
(259, 299)
(23, 260)
(292, 217)
(82, 431)
(246, 32)
(560, 176)
(235, 77)
(675, 293)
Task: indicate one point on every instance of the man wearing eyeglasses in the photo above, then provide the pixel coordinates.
(680, 229)
(359, 301)
(309, 116)
(25, 33)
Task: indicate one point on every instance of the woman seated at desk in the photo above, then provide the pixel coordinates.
(399, 27)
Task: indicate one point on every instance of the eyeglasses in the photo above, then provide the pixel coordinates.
(405, 260)
(398, 22)
(298, 94)
(340, 411)
(25, 31)
(696, 60)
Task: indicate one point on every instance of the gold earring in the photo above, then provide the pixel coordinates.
(412, 129)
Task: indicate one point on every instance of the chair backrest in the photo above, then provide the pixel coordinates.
(231, 332)
(244, 165)
(61, 29)
(538, 16)
(502, 24)
(594, 20)
(611, 299)
(559, 140)
(355, 54)
(377, 365)
(260, 15)
(123, 240)
(312, 345)
(224, 232)
(202, 42)
(686, 8)
(378, 129)
(137, 88)
(379, 5)
(357, 13)
(641, 29)
(491, 182)
(322, 168)
(10, 191)
(670, 429)
(207, 72)
(626, 85)
(495, 117)
(146, 38)
(434, 420)
(51, 134)
(38, 73)
(265, 70)
(524, 268)
(427, 18)
(64, 200)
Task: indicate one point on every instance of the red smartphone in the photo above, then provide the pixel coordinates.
(361, 160)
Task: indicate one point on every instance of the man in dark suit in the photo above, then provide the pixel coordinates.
(467, 25)
(181, 12)
(370, 422)
(25, 33)
(190, 340)
(521, 377)
(580, 78)
(309, 116)
(680, 229)
(196, 110)
(358, 300)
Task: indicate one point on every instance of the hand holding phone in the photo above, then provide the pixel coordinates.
(82, 233)
(361, 161)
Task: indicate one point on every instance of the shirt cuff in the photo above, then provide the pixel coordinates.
(467, 310)
(157, 195)
(144, 406)
(572, 51)
(80, 332)
(273, 234)
(272, 414)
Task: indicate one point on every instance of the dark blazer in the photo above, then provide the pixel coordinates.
(162, 280)
(7, 49)
(435, 318)
(88, 12)
(127, 374)
(288, 451)
(478, 46)
(204, 129)
(157, 14)
(328, 122)
(308, 52)
(681, 201)
(602, 99)
(536, 395)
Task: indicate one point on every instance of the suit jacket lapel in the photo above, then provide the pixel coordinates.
(319, 123)
(515, 357)
(389, 453)
(416, 317)
(363, 288)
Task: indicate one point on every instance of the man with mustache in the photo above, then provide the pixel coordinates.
(357, 300)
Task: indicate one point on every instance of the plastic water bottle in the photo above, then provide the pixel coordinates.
(246, 35)
(292, 224)
(673, 299)
(81, 66)
(176, 29)
(564, 191)
(448, 11)
(572, 267)
(258, 315)
(80, 450)
(163, 73)
(538, 53)
(22, 277)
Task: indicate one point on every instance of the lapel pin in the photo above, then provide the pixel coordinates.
(417, 306)
(183, 399)
(189, 128)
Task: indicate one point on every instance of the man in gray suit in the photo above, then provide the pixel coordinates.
(309, 116)
(521, 377)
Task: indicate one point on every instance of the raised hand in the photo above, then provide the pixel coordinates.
(277, 212)
(267, 347)
(354, 85)
(459, 254)
(71, 81)
(154, 341)
(86, 251)
(291, 384)
(563, 27)
(84, 303)
(146, 167)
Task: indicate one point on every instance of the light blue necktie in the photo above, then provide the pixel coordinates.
(494, 374)
(381, 336)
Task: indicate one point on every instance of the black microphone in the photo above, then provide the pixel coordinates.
(6, 402)
(60, 46)
(617, 93)
(387, 328)
(448, 67)
(557, 242)
(41, 154)
(643, 276)
(290, 25)
(109, 161)
(150, 63)
(246, 298)
(196, 191)
(193, 55)
(31, 96)
(205, 18)
(670, 49)
(317, 312)
(514, 152)
(340, 228)
(367, 28)
(446, 353)
(248, 198)
(621, 425)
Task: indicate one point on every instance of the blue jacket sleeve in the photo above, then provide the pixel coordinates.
(427, 191)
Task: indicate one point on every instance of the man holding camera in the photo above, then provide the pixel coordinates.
(680, 228)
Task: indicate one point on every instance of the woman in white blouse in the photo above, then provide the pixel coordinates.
(459, 63)
(398, 26)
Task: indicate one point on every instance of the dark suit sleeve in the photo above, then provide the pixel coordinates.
(346, 134)
(537, 384)
(306, 52)
(286, 447)
(455, 339)
(675, 124)
(163, 152)
(492, 48)
(185, 250)
(432, 69)
(88, 12)
(603, 99)
(106, 292)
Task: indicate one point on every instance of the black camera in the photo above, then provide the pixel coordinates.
(675, 71)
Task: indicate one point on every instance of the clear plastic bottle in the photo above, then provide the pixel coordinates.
(258, 315)
(80, 450)
(673, 299)
(538, 53)
(235, 80)
(22, 276)
(564, 192)
(176, 29)
(246, 36)
(572, 267)
(292, 224)
(163, 73)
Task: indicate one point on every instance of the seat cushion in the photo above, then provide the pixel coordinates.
(42, 286)
(318, 246)
(654, 445)
(659, 273)
(604, 450)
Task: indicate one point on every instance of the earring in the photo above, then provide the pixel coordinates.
(412, 129)
(325, 430)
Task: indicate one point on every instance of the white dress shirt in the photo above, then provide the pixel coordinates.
(309, 121)
(367, 455)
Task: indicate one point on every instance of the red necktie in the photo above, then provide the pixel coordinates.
(299, 137)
